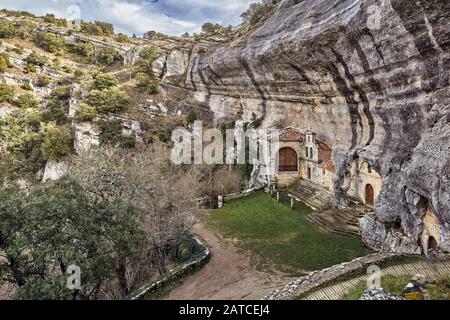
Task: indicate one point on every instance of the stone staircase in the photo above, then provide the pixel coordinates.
(311, 194)
(340, 221)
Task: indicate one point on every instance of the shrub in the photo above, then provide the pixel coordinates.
(191, 117)
(122, 38)
(43, 80)
(18, 49)
(148, 53)
(36, 59)
(5, 56)
(6, 92)
(256, 11)
(152, 88)
(3, 64)
(112, 134)
(107, 55)
(26, 101)
(55, 144)
(105, 81)
(27, 86)
(56, 64)
(67, 69)
(50, 42)
(30, 68)
(143, 79)
(209, 27)
(50, 18)
(7, 29)
(108, 100)
(85, 113)
(146, 57)
(83, 49)
(79, 75)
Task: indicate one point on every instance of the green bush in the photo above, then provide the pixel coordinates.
(79, 75)
(50, 18)
(85, 49)
(30, 68)
(6, 92)
(146, 57)
(43, 80)
(3, 64)
(97, 28)
(122, 38)
(26, 101)
(85, 113)
(67, 69)
(111, 133)
(56, 64)
(191, 117)
(50, 42)
(107, 55)
(152, 88)
(143, 79)
(18, 49)
(104, 81)
(148, 54)
(36, 59)
(7, 29)
(27, 86)
(55, 144)
(108, 100)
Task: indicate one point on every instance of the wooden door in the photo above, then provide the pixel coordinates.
(287, 160)
(369, 195)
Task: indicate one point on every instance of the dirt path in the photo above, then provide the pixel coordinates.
(229, 274)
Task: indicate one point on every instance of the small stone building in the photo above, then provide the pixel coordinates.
(365, 183)
(303, 155)
(431, 235)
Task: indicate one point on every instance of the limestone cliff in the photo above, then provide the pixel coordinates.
(370, 77)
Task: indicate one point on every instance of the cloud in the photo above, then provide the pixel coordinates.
(172, 17)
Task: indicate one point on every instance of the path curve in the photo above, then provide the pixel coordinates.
(228, 276)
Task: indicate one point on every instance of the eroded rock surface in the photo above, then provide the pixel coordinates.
(370, 77)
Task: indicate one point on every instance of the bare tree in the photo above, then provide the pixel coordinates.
(144, 180)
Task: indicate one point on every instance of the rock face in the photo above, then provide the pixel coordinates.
(370, 77)
(86, 136)
(176, 63)
(54, 170)
(378, 294)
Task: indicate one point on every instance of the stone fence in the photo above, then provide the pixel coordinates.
(177, 272)
(233, 196)
(320, 277)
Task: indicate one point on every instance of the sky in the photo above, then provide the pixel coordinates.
(172, 17)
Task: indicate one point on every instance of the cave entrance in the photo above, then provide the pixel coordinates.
(369, 195)
(432, 243)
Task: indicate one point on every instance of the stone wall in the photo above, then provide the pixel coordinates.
(176, 273)
(320, 277)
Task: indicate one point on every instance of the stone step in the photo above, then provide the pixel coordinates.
(345, 222)
(316, 197)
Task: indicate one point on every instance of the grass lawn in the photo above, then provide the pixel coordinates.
(282, 238)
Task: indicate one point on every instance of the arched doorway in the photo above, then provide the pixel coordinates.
(432, 243)
(288, 161)
(369, 195)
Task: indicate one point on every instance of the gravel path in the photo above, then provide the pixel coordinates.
(229, 274)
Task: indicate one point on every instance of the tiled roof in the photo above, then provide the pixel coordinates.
(291, 134)
(322, 145)
(328, 165)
